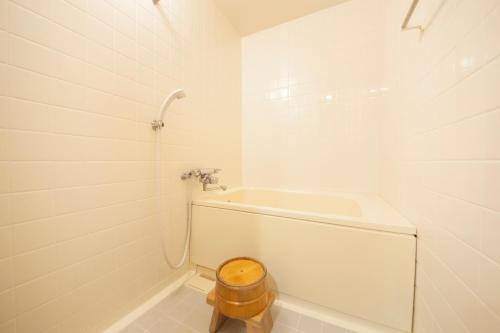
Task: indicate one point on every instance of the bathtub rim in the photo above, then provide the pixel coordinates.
(366, 201)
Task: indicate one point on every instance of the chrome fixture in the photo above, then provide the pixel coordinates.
(157, 124)
(411, 11)
(406, 22)
(206, 177)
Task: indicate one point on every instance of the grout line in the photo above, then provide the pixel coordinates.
(477, 251)
(461, 282)
(461, 199)
(456, 45)
(83, 110)
(51, 133)
(104, 115)
(77, 85)
(460, 81)
(84, 85)
(149, 304)
(88, 13)
(52, 21)
(58, 242)
(428, 309)
(434, 287)
(106, 252)
(54, 245)
(478, 114)
(101, 277)
(86, 186)
(485, 161)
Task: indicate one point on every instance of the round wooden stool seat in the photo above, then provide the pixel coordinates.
(241, 293)
(241, 289)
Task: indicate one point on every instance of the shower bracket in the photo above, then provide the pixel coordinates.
(157, 124)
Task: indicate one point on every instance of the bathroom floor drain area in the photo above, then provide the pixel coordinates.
(200, 283)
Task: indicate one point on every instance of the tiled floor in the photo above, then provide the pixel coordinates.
(186, 312)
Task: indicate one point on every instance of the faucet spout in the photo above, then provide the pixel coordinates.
(206, 188)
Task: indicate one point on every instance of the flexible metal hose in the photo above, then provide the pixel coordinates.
(161, 226)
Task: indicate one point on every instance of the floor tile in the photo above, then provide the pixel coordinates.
(149, 318)
(167, 304)
(165, 325)
(180, 311)
(309, 325)
(280, 328)
(186, 311)
(329, 328)
(285, 317)
(133, 328)
(198, 318)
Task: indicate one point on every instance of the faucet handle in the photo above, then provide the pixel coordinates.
(209, 171)
(191, 173)
(201, 173)
(213, 180)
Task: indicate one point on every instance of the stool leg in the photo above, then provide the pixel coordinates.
(267, 322)
(264, 325)
(253, 327)
(217, 320)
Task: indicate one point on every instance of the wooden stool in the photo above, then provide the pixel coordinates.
(241, 293)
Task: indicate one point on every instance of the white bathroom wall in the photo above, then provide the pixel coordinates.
(441, 159)
(80, 82)
(311, 90)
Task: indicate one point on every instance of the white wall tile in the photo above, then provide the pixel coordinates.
(25, 115)
(490, 234)
(101, 56)
(6, 277)
(5, 176)
(34, 264)
(79, 89)
(440, 148)
(307, 104)
(30, 205)
(33, 235)
(4, 52)
(101, 10)
(4, 210)
(489, 283)
(7, 308)
(68, 16)
(35, 293)
(6, 242)
(3, 14)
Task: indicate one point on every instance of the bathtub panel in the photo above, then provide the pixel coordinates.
(363, 273)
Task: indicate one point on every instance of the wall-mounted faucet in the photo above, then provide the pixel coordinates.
(206, 177)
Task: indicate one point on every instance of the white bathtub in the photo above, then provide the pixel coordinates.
(347, 252)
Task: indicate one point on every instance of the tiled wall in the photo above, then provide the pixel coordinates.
(441, 159)
(311, 90)
(80, 80)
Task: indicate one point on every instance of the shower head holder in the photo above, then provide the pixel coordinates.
(157, 124)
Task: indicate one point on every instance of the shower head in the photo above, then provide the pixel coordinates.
(176, 94)
(180, 93)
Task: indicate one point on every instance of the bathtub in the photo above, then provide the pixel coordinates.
(351, 253)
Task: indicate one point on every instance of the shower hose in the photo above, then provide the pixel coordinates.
(161, 225)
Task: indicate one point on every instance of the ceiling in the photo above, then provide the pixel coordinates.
(249, 16)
